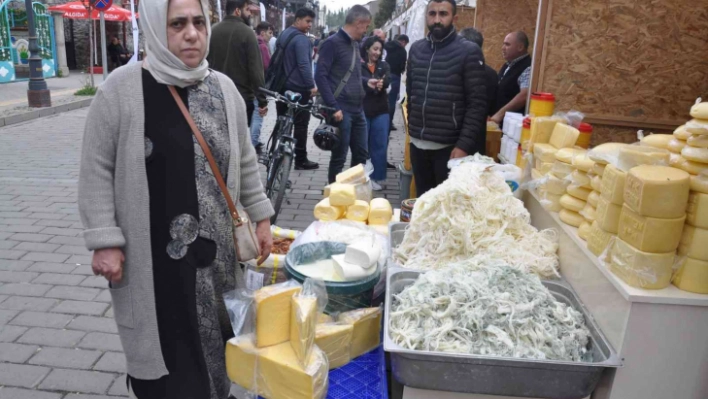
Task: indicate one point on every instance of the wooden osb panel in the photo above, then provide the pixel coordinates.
(465, 17)
(618, 134)
(637, 60)
(496, 19)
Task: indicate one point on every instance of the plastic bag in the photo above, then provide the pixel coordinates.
(279, 232)
(303, 318)
(367, 329)
(635, 155)
(272, 271)
(639, 269)
(336, 342)
(607, 153)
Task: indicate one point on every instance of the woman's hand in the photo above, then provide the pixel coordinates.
(265, 239)
(109, 264)
(379, 85)
(373, 83)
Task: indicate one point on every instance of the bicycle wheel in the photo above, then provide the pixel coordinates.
(276, 190)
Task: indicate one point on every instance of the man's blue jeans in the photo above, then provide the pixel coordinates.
(393, 95)
(256, 124)
(378, 128)
(352, 135)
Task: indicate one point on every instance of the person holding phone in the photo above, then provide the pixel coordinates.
(375, 75)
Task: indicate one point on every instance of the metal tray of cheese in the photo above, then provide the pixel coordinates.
(442, 371)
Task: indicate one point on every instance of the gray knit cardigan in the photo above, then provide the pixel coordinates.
(114, 202)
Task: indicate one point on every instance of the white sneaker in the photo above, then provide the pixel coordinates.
(376, 186)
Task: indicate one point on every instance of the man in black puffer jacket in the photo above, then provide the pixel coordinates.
(447, 98)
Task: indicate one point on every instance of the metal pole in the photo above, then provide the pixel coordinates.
(38, 94)
(104, 59)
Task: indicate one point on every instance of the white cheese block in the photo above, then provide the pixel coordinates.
(695, 154)
(641, 269)
(650, 234)
(657, 191)
(599, 239)
(584, 231)
(544, 152)
(608, 215)
(564, 136)
(363, 253)
(594, 198)
(349, 271)
(681, 133)
(571, 218)
(692, 276)
(698, 141)
(613, 185)
(657, 140)
(579, 192)
(697, 210)
(676, 145)
(693, 243)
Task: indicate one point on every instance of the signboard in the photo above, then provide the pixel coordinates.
(102, 5)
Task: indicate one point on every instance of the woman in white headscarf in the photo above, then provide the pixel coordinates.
(154, 213)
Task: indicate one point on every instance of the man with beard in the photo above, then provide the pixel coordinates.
(234, 51)
(447, 97)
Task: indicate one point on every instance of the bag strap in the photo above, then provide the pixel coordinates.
(207, 152)
(348, 75)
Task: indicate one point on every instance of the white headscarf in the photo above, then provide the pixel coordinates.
(164, 66)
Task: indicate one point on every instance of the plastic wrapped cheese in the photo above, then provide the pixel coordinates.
(657, 140)
(353, 175)
(549, 201)
(681, 133)
(359, 211)
(566, 154)
(641, 269)
(544, 152)
(280, 376)
(598, 168)
(303, 321)
(555, 185)
(323, 318)
(273, 306)
(544, 167)
(694, 243)
(700, 183)
(657, 191)
(594, 198)
(335, 340)
(613, 185)
(650, 234)
(697, 126)
(342, 194)
(695, 154)
(697, 210)
(692, 167)
(584, 231)
(700, 110)
(599, 239)
(635, 155)
(325, 212)
(698, 141)
(692, 276)
(561, 169)
(536, 174)
(571, 218)
(582, 162)
(571, 203)
(676, 145)
(564, 136)
(579, 192)
(381, 211)
(542, 128)
(589, 213)
(596, 183)
(608, 215)
(367, 329)
(580, 179)
(607, 153)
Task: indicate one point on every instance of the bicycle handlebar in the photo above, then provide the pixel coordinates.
(282, 98)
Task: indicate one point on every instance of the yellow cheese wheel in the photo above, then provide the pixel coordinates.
(697, 126)
(550, 202)
(582, 162)
(561, 169)
(589, 213)
(580, 179)
(594, 198)
(695, 154)
(566, 154)
(692, 276)
(700, 110)
(544, 167)
(571, 203)
(681, 133)
(676, 145)
(571, 218)
(584, 231)
(700, 183)
(641, 269)
(536, 174)
(579, 192)
(698, 141)
(555, 185)
(635, 155)
(697, 210)
(598, 168)
(693, 243)
(608, 215)
(599, 239)
(649, 234)
(606, 153)
(613, 185)
(657, 140)
(657, 191)
(596, 183)
(694, 168)
(544, 152)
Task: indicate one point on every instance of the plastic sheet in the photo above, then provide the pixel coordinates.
(639, 269)
(303, 318)
(367, 329)
(607, 153)
(635, 155)
(336, 342)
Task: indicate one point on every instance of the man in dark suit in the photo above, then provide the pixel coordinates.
(490, 75)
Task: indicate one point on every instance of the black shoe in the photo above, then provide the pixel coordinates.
(393, 128)
(306, 165)
(389, 165)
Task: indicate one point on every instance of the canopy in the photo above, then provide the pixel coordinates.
(79, 10)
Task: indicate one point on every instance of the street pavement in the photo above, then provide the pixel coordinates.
(58, 339)
(13, 96)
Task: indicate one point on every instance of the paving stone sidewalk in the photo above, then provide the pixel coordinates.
(58, 339)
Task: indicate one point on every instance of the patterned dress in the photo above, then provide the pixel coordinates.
(192, 245)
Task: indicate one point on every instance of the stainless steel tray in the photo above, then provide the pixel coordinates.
(498, 375)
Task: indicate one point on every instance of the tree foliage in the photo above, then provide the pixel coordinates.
(336, 19)
(386, 9)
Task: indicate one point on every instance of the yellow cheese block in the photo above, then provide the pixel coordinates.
(613, 185)
(544, 152)
(676, 145)
(649, 234)
(657, 140)
(536, 174)
(589, 213)
(695, 154)
(692, 276)
(241, 353)
(567, 154)
(303, 320)
(700, 183)
(594, 198)
(323, 318)
(325, 212)
(579, 192)
(582, 162)
(353, 175)
(635, 155)
(599, 239)
(542, 128)
(697, 126)
(581, 179)
(359, 211)
(657, 191)
(564, 136)
(598, 168)
(273, 308)
(697, 210)
(596, 183)
(544, 167)
(571, 218)
(608, 215)
(698, 141)
(336, 342)
(342, 194)
(694, 168)
(381, 211)
(367, 329)
(700, 110)
(561, 169)
(584, 231)
(694, 243)
(641, 269)
(681, 133)
(571, 203)
(555, 185)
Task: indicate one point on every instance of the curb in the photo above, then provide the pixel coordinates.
(39, 113)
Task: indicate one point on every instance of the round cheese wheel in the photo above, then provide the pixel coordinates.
(606, 153)
(580, 178)
(657, 140)
(692, 276)
(700, 183)
(657, 191)
(675, 160)
(681, 133)
(694, 168)
(594, 198)
(584, 231)
(550, 202)
(571, 218)
(579, 192)
(700, 110)
(582, 162)
(676, 145)
(697, 126)
(598, 169)
(589, 213)
(695, 154)
(571, 203)
(596, 183)
(566, 155)
(698, 141)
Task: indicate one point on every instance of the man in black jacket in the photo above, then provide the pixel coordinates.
(447, 97)
(490, 75)
(514, 76)
(396, 58)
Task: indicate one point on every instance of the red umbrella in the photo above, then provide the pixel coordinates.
(79, 10)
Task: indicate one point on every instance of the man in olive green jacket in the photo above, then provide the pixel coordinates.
(234, 51)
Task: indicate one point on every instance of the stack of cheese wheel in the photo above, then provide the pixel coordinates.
(582, 187)
(693, 272)
(575, 198)
(650, 225)
(545, 146)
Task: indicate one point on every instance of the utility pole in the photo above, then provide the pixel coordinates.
(38, 94)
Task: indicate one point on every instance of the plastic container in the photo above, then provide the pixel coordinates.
(343, 296)
(542, 104)
(585, 135)
(405, 178)
(526, 134)
(407, 210)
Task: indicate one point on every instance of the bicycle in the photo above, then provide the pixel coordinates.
(279, 158)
